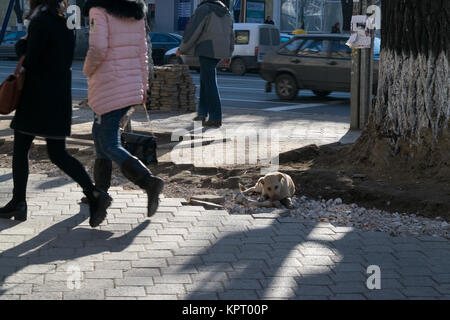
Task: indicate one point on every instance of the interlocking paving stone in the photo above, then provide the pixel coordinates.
(131, 291)
(420, 292)
(192, 253)
(239, 295)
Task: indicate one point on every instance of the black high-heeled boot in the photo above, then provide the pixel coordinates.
(14, 209)
(98, 201)
(135, 171)
(102, 176)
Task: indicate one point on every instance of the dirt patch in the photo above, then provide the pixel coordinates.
(326, 172)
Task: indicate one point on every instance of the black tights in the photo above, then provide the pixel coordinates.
(58, 155)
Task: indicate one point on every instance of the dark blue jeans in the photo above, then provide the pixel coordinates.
(106, 134)
(209, 94)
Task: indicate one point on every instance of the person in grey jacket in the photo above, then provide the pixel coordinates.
(209, 35)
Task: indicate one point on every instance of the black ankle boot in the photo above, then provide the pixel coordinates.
(213, 124)
(102, 176)
(200, 118)
(16, 209)
(98, 201)
(138, 173)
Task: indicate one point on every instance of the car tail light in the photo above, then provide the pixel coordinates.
(256, 51)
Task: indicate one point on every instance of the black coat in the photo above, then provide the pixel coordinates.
(45, 108)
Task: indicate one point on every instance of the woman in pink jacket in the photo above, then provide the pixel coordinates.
(117, 70)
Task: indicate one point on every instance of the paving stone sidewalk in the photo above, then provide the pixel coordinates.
(187, 252)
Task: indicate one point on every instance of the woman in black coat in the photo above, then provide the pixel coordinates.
(45, 107)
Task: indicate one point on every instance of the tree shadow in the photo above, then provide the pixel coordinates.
(259, 258)
(61, 242)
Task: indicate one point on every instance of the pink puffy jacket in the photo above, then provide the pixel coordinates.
(117, 62)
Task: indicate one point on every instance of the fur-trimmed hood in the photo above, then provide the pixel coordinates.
(136, 9)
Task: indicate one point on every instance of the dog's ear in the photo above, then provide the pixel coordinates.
(280, 176)
(261, 180)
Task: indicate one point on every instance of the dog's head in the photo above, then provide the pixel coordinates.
(272, 185)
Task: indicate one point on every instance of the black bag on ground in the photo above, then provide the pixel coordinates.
(141, 146)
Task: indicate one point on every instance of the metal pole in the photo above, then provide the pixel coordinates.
(355, 79)
(366, 76)
(5, 22)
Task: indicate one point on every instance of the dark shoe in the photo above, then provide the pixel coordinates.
(102, 176)
(135, 171)
(213, 124)
(14, 209)
(199, 118)
(98, 201)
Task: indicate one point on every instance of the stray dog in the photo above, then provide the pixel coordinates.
(273, 187)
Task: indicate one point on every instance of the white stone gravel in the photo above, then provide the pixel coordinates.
(338, 213)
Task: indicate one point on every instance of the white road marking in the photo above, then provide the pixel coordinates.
(303, 106)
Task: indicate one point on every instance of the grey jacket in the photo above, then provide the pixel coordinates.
(209, 32)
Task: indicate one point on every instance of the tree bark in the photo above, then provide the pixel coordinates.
(410, 118)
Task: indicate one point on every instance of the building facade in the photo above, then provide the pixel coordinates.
(288, 15)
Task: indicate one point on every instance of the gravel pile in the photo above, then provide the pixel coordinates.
(351, 215)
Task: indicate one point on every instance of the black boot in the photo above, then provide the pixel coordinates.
(102, 176)
(16, 209)
(213, 124)
(98, 201)
(135, 171)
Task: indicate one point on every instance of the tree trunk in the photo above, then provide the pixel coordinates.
(410, 118)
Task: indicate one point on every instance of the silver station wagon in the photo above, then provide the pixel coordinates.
(317, 62)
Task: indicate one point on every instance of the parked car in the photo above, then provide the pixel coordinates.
(317, 62)
(161, 43)
(7, 48)
(285, 37)
(252, 43)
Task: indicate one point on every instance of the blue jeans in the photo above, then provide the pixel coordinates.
(209, 94)
(106, 134)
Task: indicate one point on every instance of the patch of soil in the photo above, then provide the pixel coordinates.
(326, 172)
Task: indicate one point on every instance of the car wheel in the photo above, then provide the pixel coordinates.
(174, 60)
(321, 94)
(286, 87)
(238, 67)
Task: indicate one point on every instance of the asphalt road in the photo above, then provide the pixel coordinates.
(247, 92)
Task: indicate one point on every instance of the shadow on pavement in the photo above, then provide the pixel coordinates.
(60, 243)
(304, 260)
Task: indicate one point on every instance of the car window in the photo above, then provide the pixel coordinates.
(276, 39)
(314, 48)
(160, 38)
(340, 50)
(264, 37)
(9, 37)
(14, 36)
(291, 47)
(177, 37)
(242, 36)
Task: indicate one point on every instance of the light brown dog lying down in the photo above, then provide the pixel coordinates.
(273, 187)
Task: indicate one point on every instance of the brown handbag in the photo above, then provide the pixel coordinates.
(11, 89)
